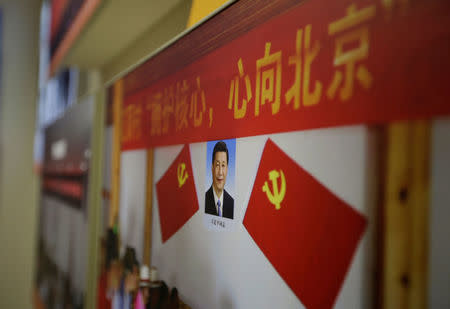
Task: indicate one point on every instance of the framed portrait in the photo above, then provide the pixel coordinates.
(220, 207)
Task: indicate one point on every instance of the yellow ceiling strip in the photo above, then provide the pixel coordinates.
(202, 8)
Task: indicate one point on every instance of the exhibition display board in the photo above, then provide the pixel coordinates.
(288, 217)
(62, 255)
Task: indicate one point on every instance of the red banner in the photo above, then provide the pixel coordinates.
(321, 64)
(307, 233)
(68, 188)
(177, 198)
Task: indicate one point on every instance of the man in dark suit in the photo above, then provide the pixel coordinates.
(217, 201)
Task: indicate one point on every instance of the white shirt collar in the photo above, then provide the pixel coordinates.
(216, 199)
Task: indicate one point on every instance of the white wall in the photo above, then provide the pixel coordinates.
(64, 232)
(226, 269)
(439, 256)
(18, 183)
(133, 175)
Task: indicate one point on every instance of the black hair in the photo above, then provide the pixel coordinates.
(219, 147)
(112, 247)
(163, 296)
(129, 259)
(174, 297)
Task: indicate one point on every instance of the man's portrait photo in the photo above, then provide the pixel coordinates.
(220, 174)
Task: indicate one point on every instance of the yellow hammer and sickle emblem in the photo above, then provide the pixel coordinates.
(277, 196)
(182, 174)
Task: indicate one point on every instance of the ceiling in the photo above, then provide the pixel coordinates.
(115, 25)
